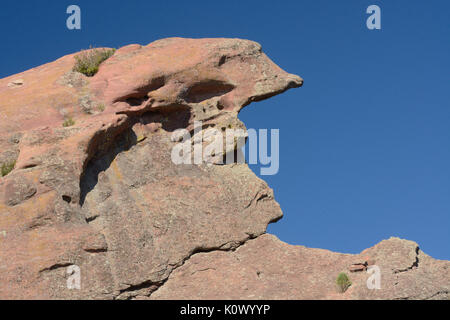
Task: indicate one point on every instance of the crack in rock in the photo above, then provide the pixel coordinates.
(56, 266)
(224, 247)
(413, 266)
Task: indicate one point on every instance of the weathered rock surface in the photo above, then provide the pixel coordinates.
(104, 195)
(266, 268)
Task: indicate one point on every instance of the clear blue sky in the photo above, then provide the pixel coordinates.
(365, 144)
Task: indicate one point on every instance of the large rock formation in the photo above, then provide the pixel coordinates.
(104, 194)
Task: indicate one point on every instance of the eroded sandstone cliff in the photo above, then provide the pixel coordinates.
(104, 195)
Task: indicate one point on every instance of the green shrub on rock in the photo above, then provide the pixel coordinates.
(89, 61)
(68, 122)
(343, 282)
(7, 167)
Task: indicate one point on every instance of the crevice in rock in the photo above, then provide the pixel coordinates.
(228, 246)
(56, 266)
(171, 117)
(258, 197)
(39, 222)
(222, 60)
(103, 139)
(143, 285)
(140, 95)
(414, 265)
(202, 270)
(418, 297)
(90, 219)
(102, 161)
(444, 292)
(135, 290)
(97, 250)
(29, 166)
(206, 90)
(135, 102)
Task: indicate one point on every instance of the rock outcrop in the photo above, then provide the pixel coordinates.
(266, 268)
(103, 194)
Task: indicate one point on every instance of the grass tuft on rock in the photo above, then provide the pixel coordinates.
(101, 107)
(68, 122)
(7, 167)
(88, 62)
(343, 282)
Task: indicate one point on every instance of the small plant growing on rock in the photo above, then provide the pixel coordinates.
(68, 122)
(343, 282)
(88, 62)
(101, 107)
(7, 167)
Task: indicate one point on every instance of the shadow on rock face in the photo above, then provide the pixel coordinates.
(101, 163)
(170, 118)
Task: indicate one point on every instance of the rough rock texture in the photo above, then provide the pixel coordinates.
(104, 195)
(266, 268)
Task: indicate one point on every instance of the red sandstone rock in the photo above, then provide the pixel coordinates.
(266, 268)
(104, 195)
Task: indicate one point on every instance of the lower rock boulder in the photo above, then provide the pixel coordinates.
(266, 268)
